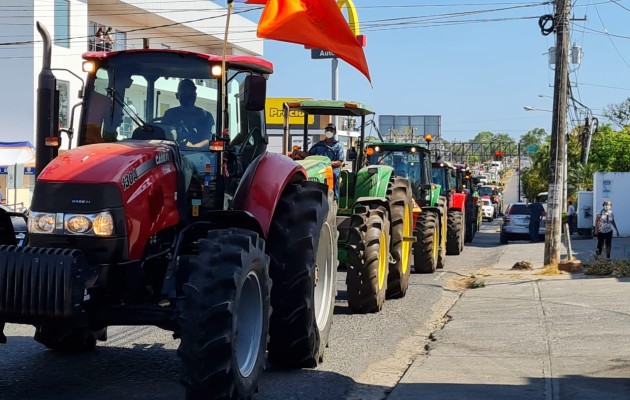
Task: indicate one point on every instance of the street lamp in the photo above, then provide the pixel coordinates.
(530, 108)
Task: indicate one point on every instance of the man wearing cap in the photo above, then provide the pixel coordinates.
(194, 123)
(332, 149)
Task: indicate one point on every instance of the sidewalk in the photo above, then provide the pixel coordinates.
(529, 336)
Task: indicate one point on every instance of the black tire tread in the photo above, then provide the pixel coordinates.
(454, 233)
(399, 196)
(425, 262)
(292, 245)
(207, 342)
(367, 223)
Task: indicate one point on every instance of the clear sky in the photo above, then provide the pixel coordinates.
(475, 63)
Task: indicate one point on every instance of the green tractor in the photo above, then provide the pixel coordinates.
(413, 161)
(374, 214)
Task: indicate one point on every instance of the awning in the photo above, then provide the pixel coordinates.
(12, 153)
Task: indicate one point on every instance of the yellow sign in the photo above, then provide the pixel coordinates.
(275, 112)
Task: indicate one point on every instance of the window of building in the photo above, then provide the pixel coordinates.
(62, 23)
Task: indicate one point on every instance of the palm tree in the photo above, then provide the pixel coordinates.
(581, 176)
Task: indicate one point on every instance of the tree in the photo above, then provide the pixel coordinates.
(618, 114)
(581, 177)
(535, 137)
(609, 150)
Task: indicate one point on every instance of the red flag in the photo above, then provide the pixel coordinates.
(313, 23)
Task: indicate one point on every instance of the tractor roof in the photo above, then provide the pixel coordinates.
(443, 164)
(332, 107)
(398, 146)
(248, 62)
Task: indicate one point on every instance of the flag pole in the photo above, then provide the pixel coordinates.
(224, 98)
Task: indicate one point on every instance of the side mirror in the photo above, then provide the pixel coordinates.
(351, 154)
(428, 187)
(254, 92)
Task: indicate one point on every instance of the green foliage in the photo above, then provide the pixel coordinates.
(535, 137)
(534, 182)
(618, 114)
(581, 177)
(609, 150)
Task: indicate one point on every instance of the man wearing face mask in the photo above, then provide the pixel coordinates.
(604, 224)
(332, 149)
(194, 124)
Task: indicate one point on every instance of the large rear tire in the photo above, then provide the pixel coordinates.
(454, 233)
(368, 258)
(302, 245)
(225, 316)
(426, 248)
(401, 207)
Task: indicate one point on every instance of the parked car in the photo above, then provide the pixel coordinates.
(515, 223)
(18, 220)
(487, 209)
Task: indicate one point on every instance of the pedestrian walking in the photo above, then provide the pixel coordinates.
(604, 224)
(571, 216)
(537, 212)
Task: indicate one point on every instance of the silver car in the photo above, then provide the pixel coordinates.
(515, 223)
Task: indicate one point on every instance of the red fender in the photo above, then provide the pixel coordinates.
(459, 201)
(262, 185)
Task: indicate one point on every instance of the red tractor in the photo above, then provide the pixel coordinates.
(137, 226)
(466, 186)
(445, 174)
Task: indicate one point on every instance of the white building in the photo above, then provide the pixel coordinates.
(195, 25)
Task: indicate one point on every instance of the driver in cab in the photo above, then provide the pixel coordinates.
(194, 124)
(332, 149)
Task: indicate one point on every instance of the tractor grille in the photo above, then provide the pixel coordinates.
(40, 282)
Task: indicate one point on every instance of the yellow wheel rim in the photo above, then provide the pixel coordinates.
(436, 239)
(382, 260)
(406, 245)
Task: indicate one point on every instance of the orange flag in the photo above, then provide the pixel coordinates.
(313, 23)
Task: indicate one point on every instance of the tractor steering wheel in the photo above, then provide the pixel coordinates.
(328, 151)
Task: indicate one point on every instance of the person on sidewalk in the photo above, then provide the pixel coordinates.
(571, 218)
(538, 211)
(604, 224)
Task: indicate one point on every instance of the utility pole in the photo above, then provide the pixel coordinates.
(555, 204)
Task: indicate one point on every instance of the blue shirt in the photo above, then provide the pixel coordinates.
(337, 150)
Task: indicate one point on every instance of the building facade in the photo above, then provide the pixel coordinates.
(196, 25)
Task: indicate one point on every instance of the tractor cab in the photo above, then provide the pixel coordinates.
(445, 175)
(173, 100)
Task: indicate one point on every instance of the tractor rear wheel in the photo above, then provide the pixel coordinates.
(426, 248)
(368, 258)
(454, 233)
(302, 245)
(401, 206)
(75, 340)
(225, 316)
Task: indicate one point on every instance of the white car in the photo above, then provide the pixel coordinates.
(487, 209)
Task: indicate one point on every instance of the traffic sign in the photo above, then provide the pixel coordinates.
(317, 54)
(532, 148)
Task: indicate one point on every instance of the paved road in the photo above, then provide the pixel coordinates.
(367, 356)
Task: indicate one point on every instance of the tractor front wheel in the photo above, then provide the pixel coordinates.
(225, 316)
(454, 233)
(426, 248)
(368, 258)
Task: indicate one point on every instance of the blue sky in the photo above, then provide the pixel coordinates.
(477, 75)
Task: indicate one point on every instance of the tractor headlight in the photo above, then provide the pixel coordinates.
(78, 224)
(104, 224)
(100, 224)
(41, 223)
